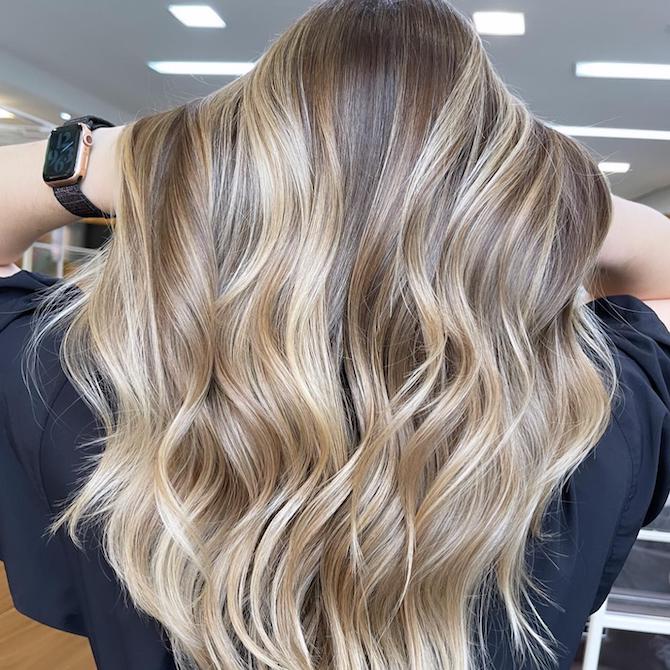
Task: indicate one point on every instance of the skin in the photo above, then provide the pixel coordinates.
(633, 259)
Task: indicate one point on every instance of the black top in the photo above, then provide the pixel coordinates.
(620, 487)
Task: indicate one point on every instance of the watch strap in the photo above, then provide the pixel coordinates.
(92, 122)
(71, 196)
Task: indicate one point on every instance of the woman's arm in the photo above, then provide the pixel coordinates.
(635, 257)
(28, 208)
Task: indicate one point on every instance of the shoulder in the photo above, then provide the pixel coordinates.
(19, 292)
(24, 405)
(641, 409)
(636, 332)
(20, 295)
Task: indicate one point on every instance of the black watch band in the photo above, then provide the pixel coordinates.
(71, 196)
(76, 202)
(92, 122)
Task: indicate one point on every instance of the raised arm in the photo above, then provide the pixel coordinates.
(28, 208)
(635, 258)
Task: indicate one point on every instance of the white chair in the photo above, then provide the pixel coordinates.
(623, 616)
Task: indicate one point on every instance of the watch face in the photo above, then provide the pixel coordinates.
(61, 155)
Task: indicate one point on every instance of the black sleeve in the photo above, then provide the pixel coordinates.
(641, 416)
(53, 581)
(642, 408)
(26, 408)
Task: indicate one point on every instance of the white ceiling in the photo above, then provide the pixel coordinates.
(89, 56)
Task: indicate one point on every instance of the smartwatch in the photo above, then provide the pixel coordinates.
(66, 162)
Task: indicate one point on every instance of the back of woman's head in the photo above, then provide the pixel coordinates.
(338, 347)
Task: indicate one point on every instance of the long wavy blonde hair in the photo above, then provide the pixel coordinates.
(339, 349)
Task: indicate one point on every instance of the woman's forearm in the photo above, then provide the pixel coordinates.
(28, 208)
(635, 258)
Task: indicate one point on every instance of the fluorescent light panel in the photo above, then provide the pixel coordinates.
(623, 70)
(5, 114)
(499, 23)
(613, 167)
(200, 67)
(197, 16)
(616, 133)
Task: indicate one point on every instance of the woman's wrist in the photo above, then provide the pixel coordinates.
(28, 207)
(99, 184)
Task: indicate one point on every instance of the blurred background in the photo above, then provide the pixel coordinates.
(598, 70)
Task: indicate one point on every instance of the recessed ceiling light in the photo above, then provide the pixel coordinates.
(200, 67)
(499, 23)
(610, 166)
(65, 116)
(197, 16)
(5, 114)
(616, 133)
(623, 70)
